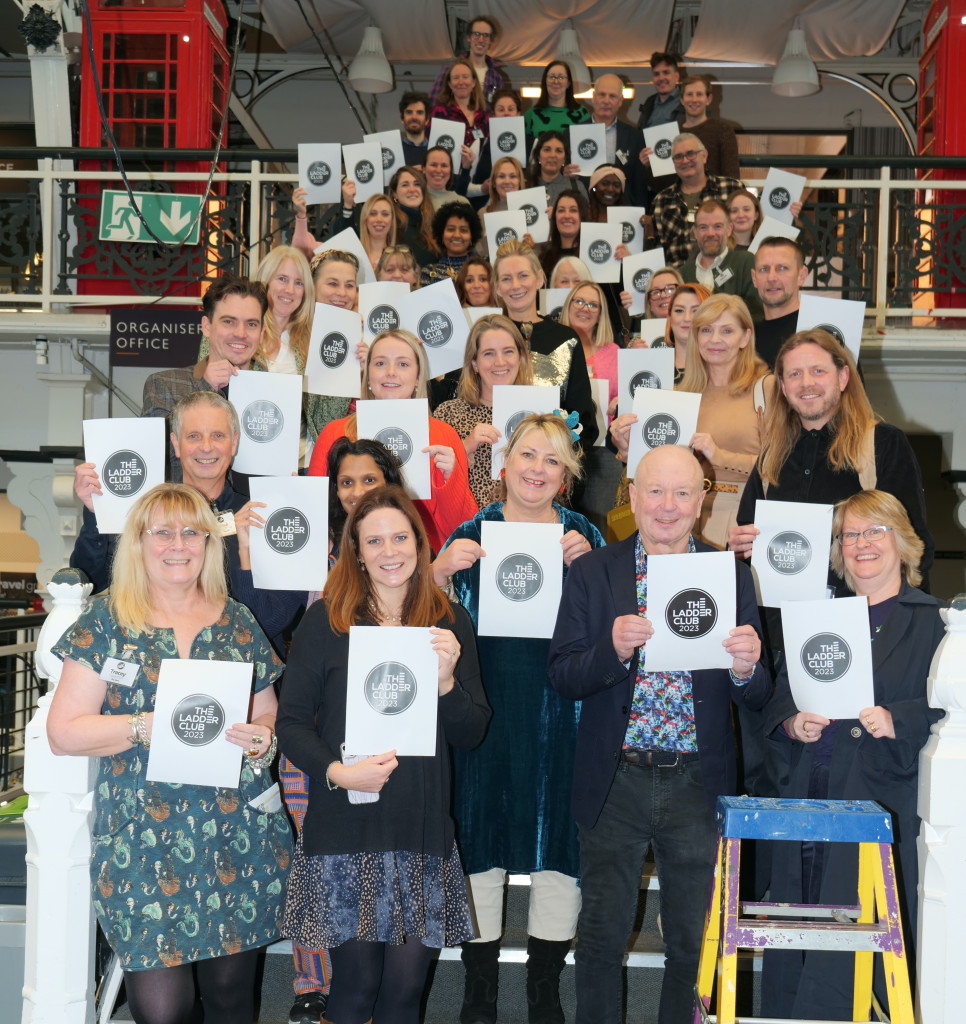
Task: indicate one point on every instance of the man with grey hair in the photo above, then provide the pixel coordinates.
(675, 206)
(622, 140)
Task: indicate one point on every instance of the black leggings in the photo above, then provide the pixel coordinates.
(377, 980)
(167, 995)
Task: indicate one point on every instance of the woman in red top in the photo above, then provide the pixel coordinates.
(396, 367)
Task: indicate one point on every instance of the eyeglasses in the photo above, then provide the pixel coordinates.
(481, 35)
(690, 154)
(872, 534)
(557, 78)
(164, 536)
(392, 250)
(584, 304)
(667, 289)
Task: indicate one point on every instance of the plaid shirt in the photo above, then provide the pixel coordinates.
(671, 221)
(495, 78)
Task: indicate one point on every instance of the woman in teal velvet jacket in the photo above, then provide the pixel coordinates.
(512, 793)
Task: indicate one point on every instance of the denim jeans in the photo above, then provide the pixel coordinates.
(666, 807)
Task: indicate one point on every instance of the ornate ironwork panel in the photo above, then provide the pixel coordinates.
(21, 239)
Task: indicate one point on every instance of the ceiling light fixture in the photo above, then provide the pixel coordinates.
(795, 74)
(568, 50)
(370, 71)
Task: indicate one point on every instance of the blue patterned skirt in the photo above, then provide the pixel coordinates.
(376, 897)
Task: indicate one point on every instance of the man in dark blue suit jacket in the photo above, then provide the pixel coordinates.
(654, 750)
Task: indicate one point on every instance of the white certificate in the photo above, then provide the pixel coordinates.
(588, 147)
(349, 241)
(331, 366)
(363, 165)
(637, 271)
(197, 700)
(474, 313)
(842, 318)
(663, 417)
(660, 138)
(632, 231)
(128, 456)
(600, 389)
(508, 138)
(392, 691)
(269, 407)
(291, 552)
(533, 202)
(379, 307)
(598, 245)
(781, 189)
(511, 402)
(435, 316)
(790, 555)
(828, 656)
(642, 368)
(390, 143)
(773, 228)
(654, 330)
(320, 171)
(691, 603)
(447, 135)
(402, 425)
(552, 300)
(521, 576)
(504, 226)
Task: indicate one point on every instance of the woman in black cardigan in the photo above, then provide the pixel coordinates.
(376, 878)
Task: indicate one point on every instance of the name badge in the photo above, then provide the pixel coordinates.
(621, 156)
(477, 133)
(226, 523)
(120, 672)
(725, 275)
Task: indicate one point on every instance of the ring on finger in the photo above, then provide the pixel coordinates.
(252, 752)
(256, 739)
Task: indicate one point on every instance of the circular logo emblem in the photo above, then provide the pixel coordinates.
(599, 251)
(388, 158)
(627, 232)
(390, 688)
(779, 198)
(519, 577)
(123, 473)
(397, 441)
(643, 379)
(434, 328)
(319, 172)
(514, 421)
(262, 421)
(506, 235)
(663, 149)
(789, 553)
(333, 349)
(446, 142)
(691, 614)
(382, 318)
(287, 531)
(642, 279)
(506, 142)
(198, 720)
(661, 429)
(833, 330)
(587, 149)
(531, 213)
(826, 657)
(364, 171)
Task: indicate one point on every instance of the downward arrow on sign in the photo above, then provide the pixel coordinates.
(174, 222)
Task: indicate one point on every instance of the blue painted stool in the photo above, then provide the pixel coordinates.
(871, 926)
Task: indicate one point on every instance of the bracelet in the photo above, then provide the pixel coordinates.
(140, 730)
(740, 680)
(301, 216)
(132, 724)
(332, 786)
(258, 763)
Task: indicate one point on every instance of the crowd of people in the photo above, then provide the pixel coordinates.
(562, 757)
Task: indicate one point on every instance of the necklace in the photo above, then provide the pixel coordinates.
(391, 618)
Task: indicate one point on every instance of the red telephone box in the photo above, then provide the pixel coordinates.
(942, 132)
(163, 68)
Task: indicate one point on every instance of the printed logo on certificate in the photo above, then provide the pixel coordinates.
(331, 366)
(269, 407)
(513, 403)
(508, 138)
(320, 166)
(598, 248)
(660, 138)
(533, 203)
(379, 307)
(780, 190)
(390, 142)
(643, 368)
(588, 146)
(663, 417)
(790, 554)
(435, 316)
(291, 551)
(363, 165)
(636, 273)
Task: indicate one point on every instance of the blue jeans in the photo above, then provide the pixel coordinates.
(666, 807)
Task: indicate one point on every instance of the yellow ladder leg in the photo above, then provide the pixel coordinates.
(712, 935)
(869, 866)
(730, 906)
(894, 960)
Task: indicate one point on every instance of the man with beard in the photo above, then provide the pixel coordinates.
(413, 112)
(779, 273)
(715, 265)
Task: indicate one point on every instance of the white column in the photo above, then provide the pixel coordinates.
(59, 945)
(942, 839)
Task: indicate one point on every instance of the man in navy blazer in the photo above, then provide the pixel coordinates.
(654, 750)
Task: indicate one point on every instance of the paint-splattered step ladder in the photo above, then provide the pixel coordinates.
(871, 926)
